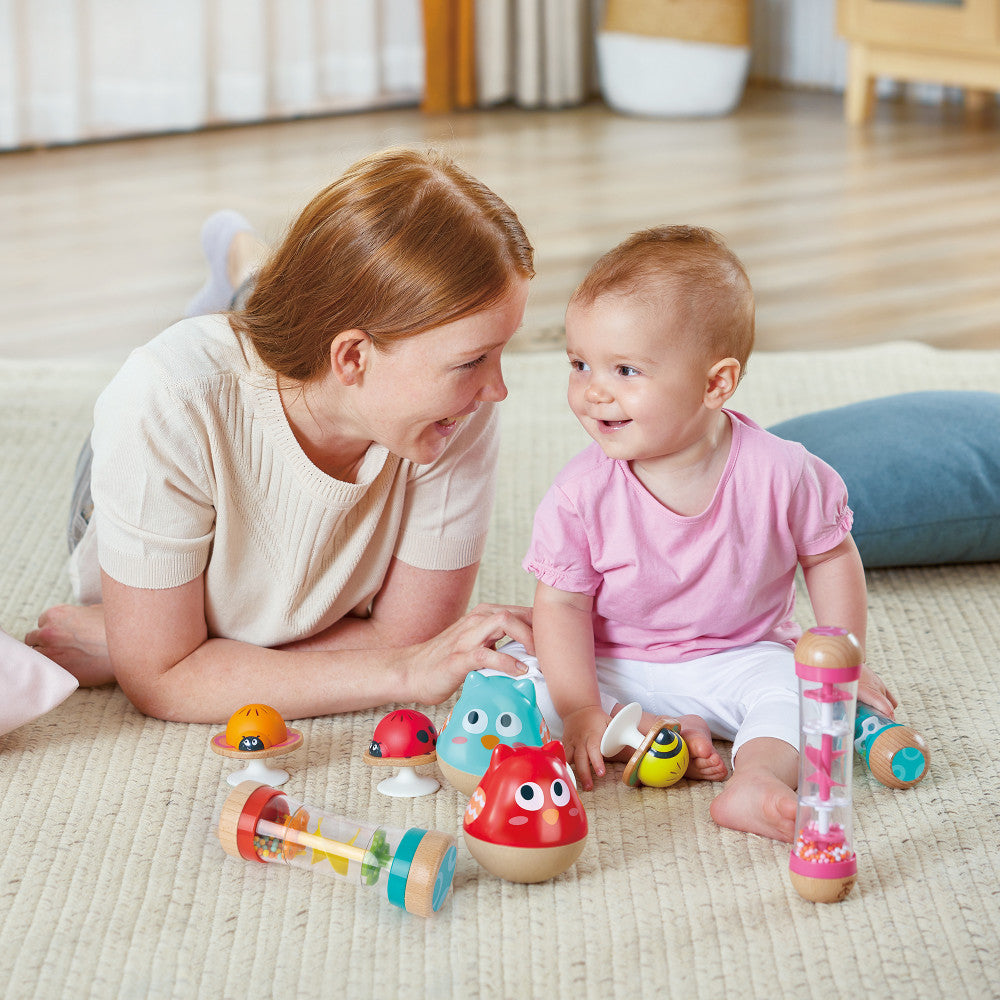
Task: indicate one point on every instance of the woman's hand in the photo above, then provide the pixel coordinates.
(873, 691)
(438, 666)
(583, 730)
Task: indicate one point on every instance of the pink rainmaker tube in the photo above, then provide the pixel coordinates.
(823, 866)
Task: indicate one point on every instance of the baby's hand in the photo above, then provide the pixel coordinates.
(872, 691)
(582, 732)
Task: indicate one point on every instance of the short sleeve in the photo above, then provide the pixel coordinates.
(818, 513)
(559, 553)
(446, 514)
(152, 498)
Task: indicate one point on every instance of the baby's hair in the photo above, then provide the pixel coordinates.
(696, 269)
(403, 241)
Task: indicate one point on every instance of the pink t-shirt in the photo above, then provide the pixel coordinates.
(668, 588)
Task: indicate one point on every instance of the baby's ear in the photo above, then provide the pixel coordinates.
(723, 378)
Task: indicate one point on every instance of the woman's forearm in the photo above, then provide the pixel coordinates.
(214, 680)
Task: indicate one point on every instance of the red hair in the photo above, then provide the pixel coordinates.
(401, 242)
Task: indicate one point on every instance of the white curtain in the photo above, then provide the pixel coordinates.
(536, 53)
(86, 69)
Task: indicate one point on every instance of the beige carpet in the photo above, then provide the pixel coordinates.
(112, 883)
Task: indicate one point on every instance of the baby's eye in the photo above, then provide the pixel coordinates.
(475, 363)
(579, 366)
(627, 371)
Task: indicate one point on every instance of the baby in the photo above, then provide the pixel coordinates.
(665, 553)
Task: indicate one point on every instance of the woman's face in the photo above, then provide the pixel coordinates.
(416, 393)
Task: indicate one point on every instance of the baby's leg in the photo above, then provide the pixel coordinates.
(704, 762)
(760, 796)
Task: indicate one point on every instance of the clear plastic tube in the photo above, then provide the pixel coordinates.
(411, 868)
(823, 863)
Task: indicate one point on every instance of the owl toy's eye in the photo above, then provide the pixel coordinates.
(508, 725)
(474, 721)
(249, 743)
(529, 796)
(559, 792)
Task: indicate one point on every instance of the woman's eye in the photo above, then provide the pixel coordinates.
(474, 363)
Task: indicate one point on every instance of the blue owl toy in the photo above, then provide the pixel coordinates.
(492, 709)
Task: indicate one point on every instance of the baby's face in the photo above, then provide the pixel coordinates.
(636, 384)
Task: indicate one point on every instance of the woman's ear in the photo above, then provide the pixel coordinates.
(723, 378)
(350, 354)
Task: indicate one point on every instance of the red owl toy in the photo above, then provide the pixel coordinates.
(525, 821)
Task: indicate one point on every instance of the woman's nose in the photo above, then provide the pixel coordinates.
(495, 389)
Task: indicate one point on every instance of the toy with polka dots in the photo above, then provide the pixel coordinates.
(823, 865)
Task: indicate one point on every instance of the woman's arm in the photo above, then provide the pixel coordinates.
(564, 645)
(413, 605)
(168, 667)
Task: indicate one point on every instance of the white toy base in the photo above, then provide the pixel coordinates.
(408, 784)
(258, 770)
(667, 77)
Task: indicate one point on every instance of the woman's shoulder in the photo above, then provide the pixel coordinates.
(181, 359)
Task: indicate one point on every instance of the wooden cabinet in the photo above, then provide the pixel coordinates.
(954, 42)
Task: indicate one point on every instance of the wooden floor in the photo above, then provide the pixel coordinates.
(850, 236)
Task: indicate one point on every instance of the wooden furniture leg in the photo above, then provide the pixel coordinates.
(449, 55)
(859, 96)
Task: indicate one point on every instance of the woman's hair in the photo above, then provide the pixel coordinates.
(403, 241)
(699, 273)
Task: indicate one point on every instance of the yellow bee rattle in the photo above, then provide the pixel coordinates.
(661, 756)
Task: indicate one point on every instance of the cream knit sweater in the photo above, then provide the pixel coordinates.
(196, 470)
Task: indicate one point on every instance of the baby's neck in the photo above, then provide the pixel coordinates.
(685, 481)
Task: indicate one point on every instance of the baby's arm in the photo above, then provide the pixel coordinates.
(564, 644)
(836, 584)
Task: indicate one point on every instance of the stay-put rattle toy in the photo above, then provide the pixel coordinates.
(254, 733)
(823, 865)
(661, 756)
(412, 868)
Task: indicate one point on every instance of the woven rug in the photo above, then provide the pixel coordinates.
(113, 883)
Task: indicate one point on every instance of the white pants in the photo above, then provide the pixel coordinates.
(742, 693)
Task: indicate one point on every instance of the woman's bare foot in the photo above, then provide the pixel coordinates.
(704, 762)
(759, 797)
(74, 637)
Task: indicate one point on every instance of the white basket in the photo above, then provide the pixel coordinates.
(667, 77)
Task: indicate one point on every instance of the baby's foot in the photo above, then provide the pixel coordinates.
(757, 802)
(217, 235)
(704, 762)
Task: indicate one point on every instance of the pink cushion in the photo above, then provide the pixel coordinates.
(30, 684)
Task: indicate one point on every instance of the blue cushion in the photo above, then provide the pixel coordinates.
(922, 471)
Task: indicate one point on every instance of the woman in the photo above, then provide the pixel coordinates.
(291, 499)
